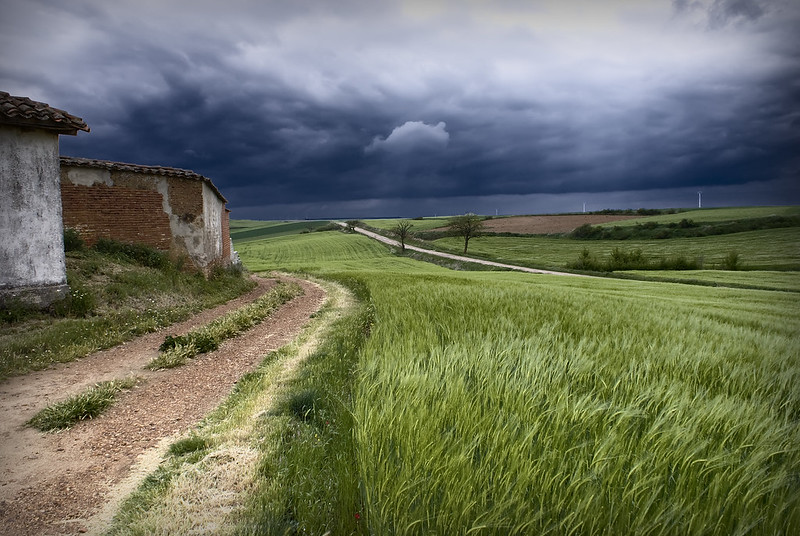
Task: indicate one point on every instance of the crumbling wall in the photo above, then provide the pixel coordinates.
(176, 214)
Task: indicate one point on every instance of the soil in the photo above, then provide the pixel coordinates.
(548, 224)
(60, 483)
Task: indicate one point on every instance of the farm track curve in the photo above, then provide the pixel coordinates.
(461, 258)
(55, 483)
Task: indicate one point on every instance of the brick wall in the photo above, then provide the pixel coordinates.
(186, 198)
(116, 212)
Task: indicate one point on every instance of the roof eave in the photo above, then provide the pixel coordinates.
(69, 130)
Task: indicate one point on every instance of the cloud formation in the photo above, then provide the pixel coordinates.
(411, 137)
(319, 104)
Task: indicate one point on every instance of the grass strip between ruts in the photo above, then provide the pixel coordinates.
(175, 351)
(85, 405)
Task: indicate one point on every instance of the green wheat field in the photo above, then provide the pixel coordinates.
(510, 403)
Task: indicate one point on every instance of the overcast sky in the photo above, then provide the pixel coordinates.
(357, 108)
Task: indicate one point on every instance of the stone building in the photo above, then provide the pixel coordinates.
(171, 209)
(32, 262)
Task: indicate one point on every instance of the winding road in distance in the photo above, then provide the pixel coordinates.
(395, 243)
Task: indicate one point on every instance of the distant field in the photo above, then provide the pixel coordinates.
(425, 224)
(507, 403)
(771, 249)
(707, 215)
(550, 224)
(564, 223)
(311, 252)
(514, 224)
(246, 230)
(761, 278)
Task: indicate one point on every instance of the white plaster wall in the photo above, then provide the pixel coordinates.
(32, 243)
(81, 176)
(212, 216)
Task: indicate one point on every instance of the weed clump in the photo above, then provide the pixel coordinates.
(189, 445)
(86, 405)
(304, 403)
(79, 303)
(73, 240)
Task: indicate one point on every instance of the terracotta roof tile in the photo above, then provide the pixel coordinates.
(136, 168)
(22, 111)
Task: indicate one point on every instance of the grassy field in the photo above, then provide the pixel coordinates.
(765, 279)
(710, 215)
(245, 230)
(705, 215)
(311, 252)
(505, 403)
(538, 405)
(113, 298)
(425, 224)
(772, 249)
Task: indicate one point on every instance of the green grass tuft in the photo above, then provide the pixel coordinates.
(86, 405)
(189, 445)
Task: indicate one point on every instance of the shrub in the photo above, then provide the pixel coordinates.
(352, 224)
(679, 263)
(80, 302)
(587, 261)
(627, 260)
(631, 260)
(586, 232)
(731, 262)
(73, 240)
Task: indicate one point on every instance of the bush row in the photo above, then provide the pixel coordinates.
(636, 260)
(685, 228)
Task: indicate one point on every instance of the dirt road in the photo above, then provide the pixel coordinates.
(55, 483)
(461, 258)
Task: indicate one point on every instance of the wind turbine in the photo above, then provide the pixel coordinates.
(700, 199)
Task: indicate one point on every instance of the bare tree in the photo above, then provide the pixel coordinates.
(402, 230)
(468, 226)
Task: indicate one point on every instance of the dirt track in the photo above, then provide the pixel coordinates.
(54, 483)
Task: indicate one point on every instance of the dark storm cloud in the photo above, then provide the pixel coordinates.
(302, 104)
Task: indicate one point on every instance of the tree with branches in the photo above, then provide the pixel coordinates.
(402, 230)
(467, 226)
